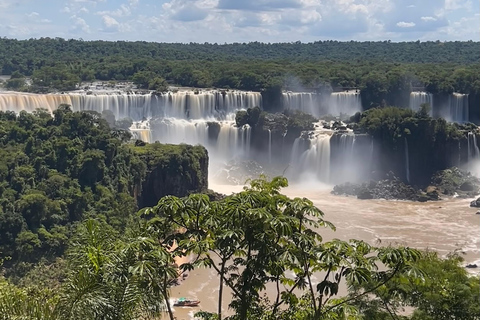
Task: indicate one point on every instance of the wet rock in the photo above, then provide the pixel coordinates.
(475, 203)
(454, 180)
(365, 194)
(384, 189)
(467, 186)
(422, 197)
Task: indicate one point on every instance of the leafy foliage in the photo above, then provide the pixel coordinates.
(58, 170)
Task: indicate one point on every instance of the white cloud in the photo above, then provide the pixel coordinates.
(79, 25)
(243, 20)
(110, 22)
(122, 11)
(403, 24)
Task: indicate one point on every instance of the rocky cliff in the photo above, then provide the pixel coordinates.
(171, 170)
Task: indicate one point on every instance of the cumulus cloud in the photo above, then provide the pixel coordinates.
(110, 23)
(244, 20)
(79, 25)
(258, 5)
(122, 11)
(428, 19)
(403, 24)
(186, 11)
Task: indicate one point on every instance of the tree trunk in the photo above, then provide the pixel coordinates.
(220, 290)
(167, 301)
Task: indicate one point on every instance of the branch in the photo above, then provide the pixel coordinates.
(366, 292)
(227, 281)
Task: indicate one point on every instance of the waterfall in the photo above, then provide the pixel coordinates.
(303, 101)
(417, 98)
(180, 104)
(458, 103)
(314, 162)
(141, 130)
(473, 150)
(172, 117)
(269, 146)
(407, 161)
(346, 102)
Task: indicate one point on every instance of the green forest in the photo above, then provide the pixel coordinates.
(93, 224)
(377, 68)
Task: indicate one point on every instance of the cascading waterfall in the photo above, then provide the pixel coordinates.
(458, 103)
(316, 160)
(180, 104)
(141, 130)
(417, 98)
(346, 102)
(407, 161)
(173, 117)
(269, 146)
(303, 101)
(310, 157)
(473, 150)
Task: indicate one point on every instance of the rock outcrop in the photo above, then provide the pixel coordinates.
(171, 170)
(446, 182)
(389, 189)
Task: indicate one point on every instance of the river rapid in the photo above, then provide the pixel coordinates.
(444, 226)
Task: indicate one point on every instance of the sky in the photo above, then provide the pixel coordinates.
(227, 21)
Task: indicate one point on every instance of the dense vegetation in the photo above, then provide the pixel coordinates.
(252, 239)
(56, 171)
(378, 68)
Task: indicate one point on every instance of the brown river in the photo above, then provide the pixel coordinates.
(443, 226)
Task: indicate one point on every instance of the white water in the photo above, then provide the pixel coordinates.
(458, 104)
(417, 98)
(180, 105)
(303, 101)
(314, 162)
(179, 117)
(346, 102)
(473, 151)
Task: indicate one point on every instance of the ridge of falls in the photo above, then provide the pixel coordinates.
(204, 117)
(302, 101)
(407, 161)
(458, 107)
(180, 104)
(345, 102)
(317, 104)
(417, 98)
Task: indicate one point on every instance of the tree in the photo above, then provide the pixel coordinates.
(447, 292)
(158, 84)
(16, 82)
(143, 78)
(116, 279)
(256, 237)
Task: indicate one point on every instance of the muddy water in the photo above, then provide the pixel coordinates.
(444, 226)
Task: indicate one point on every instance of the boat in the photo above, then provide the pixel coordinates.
(184, 302)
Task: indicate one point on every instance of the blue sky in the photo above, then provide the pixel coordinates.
(242, 20)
